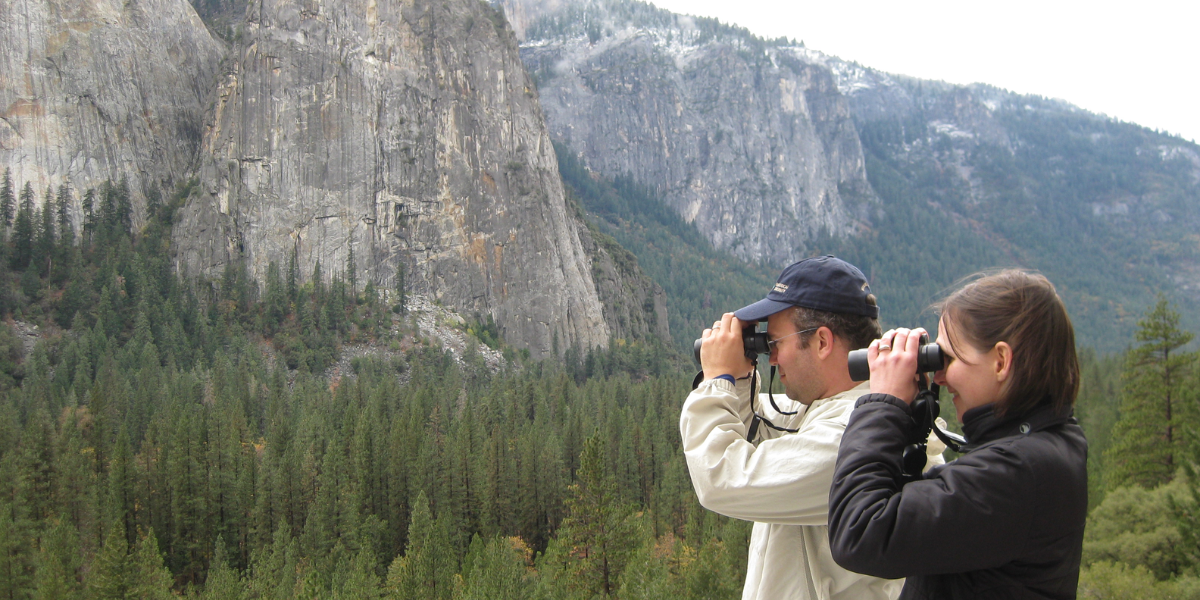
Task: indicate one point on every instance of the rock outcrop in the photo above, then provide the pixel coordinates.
(408, 131)
(754, 145)
(94, 90)
(635, 307)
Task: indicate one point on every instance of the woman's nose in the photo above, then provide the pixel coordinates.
(940, 377)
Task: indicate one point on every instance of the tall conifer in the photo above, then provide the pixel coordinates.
(7, 200)
(88, 204)
(59, 564)
(1156, 401)
(352, 275)
(223, 583)
(600, 530)
(276, 299)
(292, 274)
(23, 230)
(497, 570)
(401, 289)
(427, 569)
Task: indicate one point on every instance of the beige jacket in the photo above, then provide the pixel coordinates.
(781, 482)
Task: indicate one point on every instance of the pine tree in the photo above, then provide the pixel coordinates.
(292, 274)
(88, 204)
(1156, 401)
(318, 286)
(64, 251)
(43, 248)
(274, 568)
(426, 570)
(119, 574)
(352, 275)
(401, 294)
(360, 581)
(222, 583)
(600, 531)
(59, 564)
(497, 570)
(710, 573)
(335, 305)
(62, 209)
(16, 555)
(7, 201)
(75, 486)
(153, 201)
(123, 218)
(31, 283)
(23, 230)
(189, 537)
(276, 300)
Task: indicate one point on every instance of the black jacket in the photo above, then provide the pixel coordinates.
(1005, 520)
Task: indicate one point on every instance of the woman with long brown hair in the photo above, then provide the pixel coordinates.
(1004, 520)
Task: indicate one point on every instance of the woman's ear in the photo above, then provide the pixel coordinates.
(1002, 361)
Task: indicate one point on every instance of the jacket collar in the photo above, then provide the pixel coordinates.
(851, 394)
(981, 425)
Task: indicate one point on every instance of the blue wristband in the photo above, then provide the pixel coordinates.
(728, 378)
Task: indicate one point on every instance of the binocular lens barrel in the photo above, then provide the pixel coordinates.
(929, 358)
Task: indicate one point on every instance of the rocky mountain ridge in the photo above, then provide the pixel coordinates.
(399, 133)
(753, 145)
(1106, 209)
(945, 179)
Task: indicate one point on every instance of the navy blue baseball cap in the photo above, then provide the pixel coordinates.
(822, 283)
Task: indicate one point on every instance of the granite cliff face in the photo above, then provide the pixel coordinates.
(743, 138)
(408, 131)
(92, 90)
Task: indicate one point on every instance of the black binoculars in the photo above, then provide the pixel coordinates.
(754, 342)
(929, 358)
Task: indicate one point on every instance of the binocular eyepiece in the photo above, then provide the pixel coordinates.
(929, 358)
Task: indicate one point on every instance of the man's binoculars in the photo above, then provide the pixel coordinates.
(755, 343)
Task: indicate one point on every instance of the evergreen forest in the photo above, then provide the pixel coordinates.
(166, 436)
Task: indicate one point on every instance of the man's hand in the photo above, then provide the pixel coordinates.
(722, 352)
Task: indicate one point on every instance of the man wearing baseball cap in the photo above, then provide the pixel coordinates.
(770, 459)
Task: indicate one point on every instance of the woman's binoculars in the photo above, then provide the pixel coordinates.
(929, 358)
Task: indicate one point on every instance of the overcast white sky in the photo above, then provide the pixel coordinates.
(1136, 61)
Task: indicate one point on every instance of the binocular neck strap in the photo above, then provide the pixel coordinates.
(930, 391)
(757, 419)
(771, 395)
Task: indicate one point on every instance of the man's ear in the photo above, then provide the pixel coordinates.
(825, 342)
(1002, 361)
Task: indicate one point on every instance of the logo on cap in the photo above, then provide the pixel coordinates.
(781, 287)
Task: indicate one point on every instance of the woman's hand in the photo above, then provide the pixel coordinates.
(893, 360)
(723, 352)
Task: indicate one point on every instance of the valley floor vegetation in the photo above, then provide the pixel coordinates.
(169, 436)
